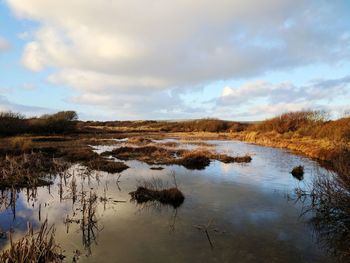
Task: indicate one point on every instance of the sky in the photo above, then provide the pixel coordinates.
(184, 59)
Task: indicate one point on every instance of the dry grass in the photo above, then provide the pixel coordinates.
(38, 247)
(147, 154)
(153, 155)
(155, 190)
(298, 172)
(101, 164)
(21, 143)
(28, 170)
(329, 203)
(195, 160)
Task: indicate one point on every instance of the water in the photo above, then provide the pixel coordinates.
(247, 210)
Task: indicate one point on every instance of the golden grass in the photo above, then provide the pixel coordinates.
(21, 143)
(38, 247)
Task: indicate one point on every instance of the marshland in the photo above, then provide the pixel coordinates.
(192, 191)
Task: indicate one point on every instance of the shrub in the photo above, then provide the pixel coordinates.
(291, 121)
(11, 123)
(21, 143)
(15, 123)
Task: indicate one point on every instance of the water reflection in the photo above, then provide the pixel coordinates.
(231, 212)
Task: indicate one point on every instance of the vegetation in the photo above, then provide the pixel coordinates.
(298, 172)
(28, 170)
(153, 155)
(153, 190)
(34, 247)
(101, 164)
(329, 202)
(15, 123)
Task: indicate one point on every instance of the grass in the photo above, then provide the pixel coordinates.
(38, 247)
(28, 170)
(194, 160)
(156, 155)
(298, 172)
(329, 203)
(154, 190)
(100, 164)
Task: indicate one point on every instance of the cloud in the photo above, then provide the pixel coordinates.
(261, 97)
(4, 44)
(6, 105)
(113, 51)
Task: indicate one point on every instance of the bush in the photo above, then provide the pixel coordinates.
(291, 122)
(15, 123)
(11, 123)
(21, 143)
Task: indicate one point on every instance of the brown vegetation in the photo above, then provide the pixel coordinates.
(171, 196)
(100, 164)
(28, 170)
(298, 172)
(15, 123)
(34, 247)
(198, 159)
(329, 196)
(154, 190)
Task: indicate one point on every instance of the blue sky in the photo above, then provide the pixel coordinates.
(174, 59)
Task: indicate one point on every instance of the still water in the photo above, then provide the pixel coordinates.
(231, 213)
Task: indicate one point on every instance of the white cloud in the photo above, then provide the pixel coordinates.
(261, 98)
(130, 55)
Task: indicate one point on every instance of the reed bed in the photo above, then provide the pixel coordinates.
(34, 247)
(28, 170)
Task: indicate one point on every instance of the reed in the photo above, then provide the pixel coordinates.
(38, 247)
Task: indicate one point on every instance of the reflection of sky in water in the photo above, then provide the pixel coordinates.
(253, 221)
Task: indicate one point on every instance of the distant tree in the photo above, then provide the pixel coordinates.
(11, 123)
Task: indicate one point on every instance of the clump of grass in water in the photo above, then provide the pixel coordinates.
(38, 247)
(298, 172)
(103, 165)
(153, 155)
(154, 190)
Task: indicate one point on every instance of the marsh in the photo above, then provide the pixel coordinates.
(246, 211)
